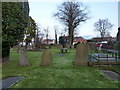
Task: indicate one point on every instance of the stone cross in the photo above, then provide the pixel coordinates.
(81, 54)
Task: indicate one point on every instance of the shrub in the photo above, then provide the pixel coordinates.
(5, 49)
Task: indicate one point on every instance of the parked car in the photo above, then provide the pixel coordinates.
(105, 46)
(98, 44)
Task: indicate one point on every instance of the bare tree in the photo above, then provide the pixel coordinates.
(103, 26)
(36, 40)
(56, 33)
(71, 13)
(46, 32)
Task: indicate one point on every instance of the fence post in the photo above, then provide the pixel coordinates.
(98, 58)
(107, 58)
(116, 57)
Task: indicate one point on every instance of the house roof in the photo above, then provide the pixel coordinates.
(49, 40)
(80, 39)
(77, 39)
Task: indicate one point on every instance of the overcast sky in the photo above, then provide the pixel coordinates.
(119, 14)
(42, 12)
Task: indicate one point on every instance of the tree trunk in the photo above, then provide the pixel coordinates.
(55, 39)
(71, 36)
(18, 49)
(118, 40)
(26, 45)
(33, 45)
(119, 50)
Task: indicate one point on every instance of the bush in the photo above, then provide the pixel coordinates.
(5, 49)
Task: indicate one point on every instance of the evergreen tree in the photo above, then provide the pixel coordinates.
(31, 31)
(14, 21)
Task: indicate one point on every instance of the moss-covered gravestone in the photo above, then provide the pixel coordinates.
(81, 54)
(46, 59)
(23, 57)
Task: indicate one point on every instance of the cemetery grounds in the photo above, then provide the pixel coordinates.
(63, 74)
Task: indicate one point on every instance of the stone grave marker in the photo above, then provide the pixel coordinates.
(81, 54)
(23, 57)
(92, 46)
(46, 59)
(60, 46)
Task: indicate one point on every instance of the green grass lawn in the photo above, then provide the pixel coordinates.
(63, 74)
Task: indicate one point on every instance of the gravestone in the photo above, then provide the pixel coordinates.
(60, 46)
(82, 54)
(23, 57)
(46, 59)
(92, 46)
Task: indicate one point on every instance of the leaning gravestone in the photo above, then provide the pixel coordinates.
(46, 59)
(23, 57)
(82, 54)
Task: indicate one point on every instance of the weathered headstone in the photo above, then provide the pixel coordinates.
(46, 59)
(81, 54)
(23, 57)
(60, 46)
(92, 46)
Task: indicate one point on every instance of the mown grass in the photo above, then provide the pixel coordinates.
(63, 74)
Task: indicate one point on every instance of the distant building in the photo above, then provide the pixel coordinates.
(79, 39)
(99, 39)
(76, 39)
(48, 41)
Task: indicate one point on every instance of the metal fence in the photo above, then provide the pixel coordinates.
(98, 58)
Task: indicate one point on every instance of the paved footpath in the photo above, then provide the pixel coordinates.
(111, 74)
(10, 81)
